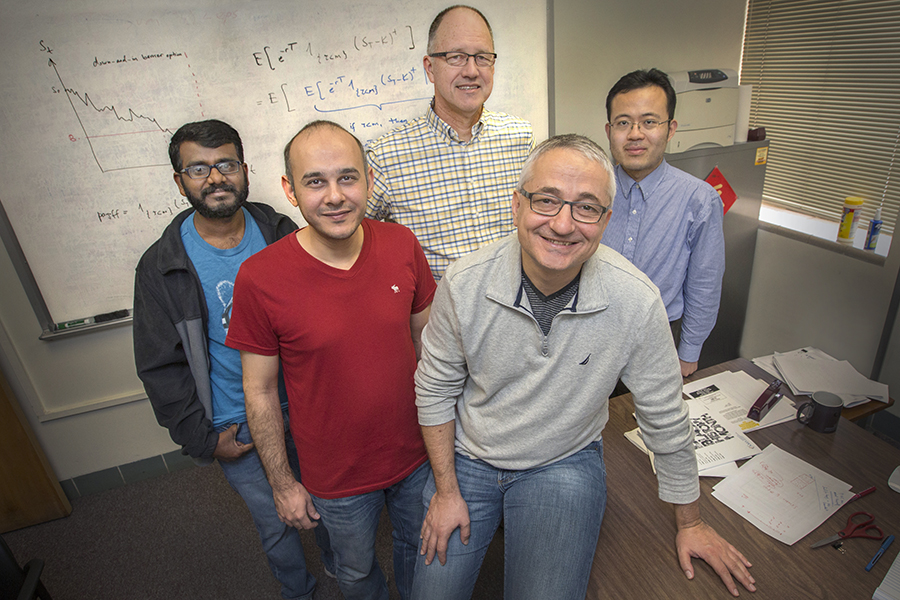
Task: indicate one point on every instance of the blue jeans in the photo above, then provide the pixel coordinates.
(352, 524)
(551, 522)
(280, 542)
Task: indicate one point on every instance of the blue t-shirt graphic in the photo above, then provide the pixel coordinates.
(217, 269)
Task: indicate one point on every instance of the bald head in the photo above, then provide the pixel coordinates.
(436, 24)
(309, 128)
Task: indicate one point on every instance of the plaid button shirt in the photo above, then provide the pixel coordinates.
(454, 195)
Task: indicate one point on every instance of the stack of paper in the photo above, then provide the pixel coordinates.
(781, 495)
(890, 586)
(809, 370)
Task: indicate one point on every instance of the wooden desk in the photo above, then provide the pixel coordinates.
(635, 555)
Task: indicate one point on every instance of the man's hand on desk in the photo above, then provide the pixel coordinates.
(696, 539)
(687, 368)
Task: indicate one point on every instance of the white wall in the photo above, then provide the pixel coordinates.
(803, 295)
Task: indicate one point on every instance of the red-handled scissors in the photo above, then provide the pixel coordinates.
(855, 529)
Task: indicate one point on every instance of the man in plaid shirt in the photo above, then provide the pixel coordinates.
(449, 174)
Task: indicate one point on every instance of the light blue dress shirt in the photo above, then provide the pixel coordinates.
(669, 225)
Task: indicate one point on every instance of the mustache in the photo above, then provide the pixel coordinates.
(224, 187)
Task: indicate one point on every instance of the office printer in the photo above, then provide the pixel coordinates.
(706, 109)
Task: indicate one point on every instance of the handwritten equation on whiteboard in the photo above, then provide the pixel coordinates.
(782, 495)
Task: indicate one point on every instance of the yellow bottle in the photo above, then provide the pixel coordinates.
(850, 219)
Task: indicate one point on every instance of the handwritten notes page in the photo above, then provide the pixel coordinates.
(781, 495)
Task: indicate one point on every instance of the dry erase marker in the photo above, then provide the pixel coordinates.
(75, 323)
(884, 546)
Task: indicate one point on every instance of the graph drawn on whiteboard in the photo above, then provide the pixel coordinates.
(119, 138)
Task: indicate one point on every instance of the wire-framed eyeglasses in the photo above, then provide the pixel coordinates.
(549, 206)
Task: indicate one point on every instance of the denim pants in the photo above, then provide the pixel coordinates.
(551, 522)
(352, 525)
(280, 542)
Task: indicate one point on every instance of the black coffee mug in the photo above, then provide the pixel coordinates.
(822, 413)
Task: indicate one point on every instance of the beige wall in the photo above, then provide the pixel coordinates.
(598, 42)
(84, 369)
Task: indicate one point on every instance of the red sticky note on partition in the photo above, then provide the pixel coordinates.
(720, 184)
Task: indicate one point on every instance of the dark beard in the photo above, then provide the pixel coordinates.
(220, 211)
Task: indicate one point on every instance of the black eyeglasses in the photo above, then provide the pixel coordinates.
(226, 167)
(460, 59)
(549, 206)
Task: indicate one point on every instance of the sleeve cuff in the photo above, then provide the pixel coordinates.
(689, 352)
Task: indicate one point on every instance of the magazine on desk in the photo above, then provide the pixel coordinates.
(718, 442)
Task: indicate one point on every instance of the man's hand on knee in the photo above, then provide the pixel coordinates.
(295, 507)
(445, 515)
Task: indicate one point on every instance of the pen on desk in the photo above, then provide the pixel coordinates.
(884, 546)
(865, 492)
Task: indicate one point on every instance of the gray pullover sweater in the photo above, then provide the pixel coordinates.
(523, 400)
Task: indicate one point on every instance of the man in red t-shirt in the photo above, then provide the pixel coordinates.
(342, 304)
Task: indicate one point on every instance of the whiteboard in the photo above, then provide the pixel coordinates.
(92, 92)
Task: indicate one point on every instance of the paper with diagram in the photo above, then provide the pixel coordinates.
(781, 495)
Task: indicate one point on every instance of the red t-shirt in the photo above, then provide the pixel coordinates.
(346, 352)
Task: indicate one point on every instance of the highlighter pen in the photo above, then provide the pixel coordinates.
(884, 546)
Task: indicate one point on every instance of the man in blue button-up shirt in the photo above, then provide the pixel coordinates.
(666, 222)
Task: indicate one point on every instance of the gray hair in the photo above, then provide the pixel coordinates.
(571, 141)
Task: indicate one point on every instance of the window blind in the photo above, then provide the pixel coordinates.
(826, 86)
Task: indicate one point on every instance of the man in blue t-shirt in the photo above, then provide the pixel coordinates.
(182, 310)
